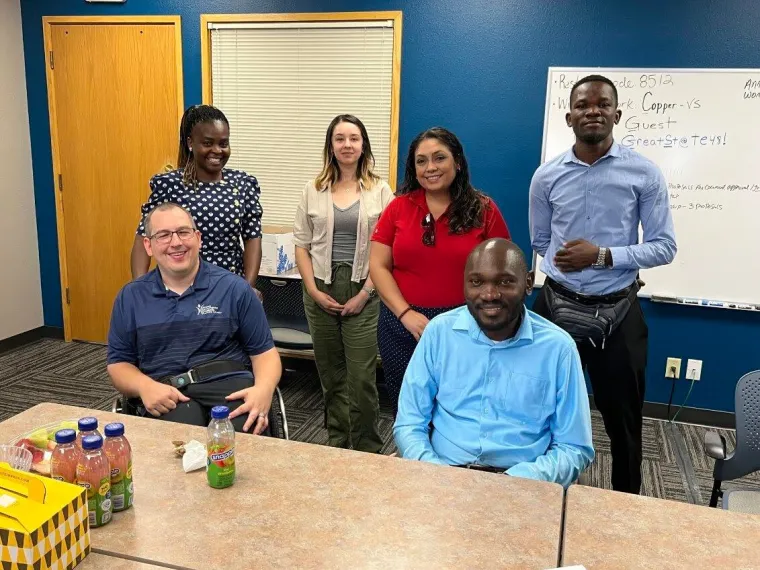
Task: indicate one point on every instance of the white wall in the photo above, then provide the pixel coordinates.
(20, 294)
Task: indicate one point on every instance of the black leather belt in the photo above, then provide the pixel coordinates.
(486, 468)
(589, 299)
(203, 373)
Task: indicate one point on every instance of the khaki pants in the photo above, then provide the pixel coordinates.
(345, 350)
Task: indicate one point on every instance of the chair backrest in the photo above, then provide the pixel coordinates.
(283, 305)
(746, 458)
(282, 297)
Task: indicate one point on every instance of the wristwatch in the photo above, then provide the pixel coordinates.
(371, 292)
(601, 259)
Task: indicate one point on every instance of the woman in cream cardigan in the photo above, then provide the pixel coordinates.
(332, 229)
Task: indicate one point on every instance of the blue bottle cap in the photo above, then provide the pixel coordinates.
(65, 436)
(115, 429)
(88, 424)
(92, 442)
(220, 412)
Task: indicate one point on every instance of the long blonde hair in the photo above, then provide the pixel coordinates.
(331, 171)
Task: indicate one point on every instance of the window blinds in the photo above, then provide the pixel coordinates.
(280, 85)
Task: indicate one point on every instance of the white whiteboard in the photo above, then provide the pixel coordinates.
(702, 127)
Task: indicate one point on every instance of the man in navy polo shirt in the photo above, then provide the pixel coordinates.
(185, 313)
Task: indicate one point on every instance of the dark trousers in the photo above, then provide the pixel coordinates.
(617, 375)
(205, 396)
(396, 348)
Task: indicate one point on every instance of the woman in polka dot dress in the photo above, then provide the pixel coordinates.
(223, 202)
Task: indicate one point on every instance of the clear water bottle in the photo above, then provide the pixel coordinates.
(220, 449)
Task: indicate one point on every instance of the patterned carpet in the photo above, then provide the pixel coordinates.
(675, 467)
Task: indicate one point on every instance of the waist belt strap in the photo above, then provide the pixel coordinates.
(589, 299)
(204, 372)
(208, 370)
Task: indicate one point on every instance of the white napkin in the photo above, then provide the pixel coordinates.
(194, 457)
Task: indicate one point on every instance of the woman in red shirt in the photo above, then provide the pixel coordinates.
(421, 243)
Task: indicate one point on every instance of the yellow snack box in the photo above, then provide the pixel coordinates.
(43, 522)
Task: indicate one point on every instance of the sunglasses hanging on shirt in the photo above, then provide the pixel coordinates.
(428, 235)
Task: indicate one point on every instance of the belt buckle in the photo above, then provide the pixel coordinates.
(185, 379)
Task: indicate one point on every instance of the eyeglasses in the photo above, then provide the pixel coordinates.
(165, 236)
(428, 236)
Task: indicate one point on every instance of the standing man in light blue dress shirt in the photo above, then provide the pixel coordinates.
(585, 209)
(501, 387)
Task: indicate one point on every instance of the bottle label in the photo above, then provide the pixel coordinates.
(118, 489)
(99, 503)
(220, 465)
(129, 486)
(122, 488)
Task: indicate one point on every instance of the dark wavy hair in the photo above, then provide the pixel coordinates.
(468, 205)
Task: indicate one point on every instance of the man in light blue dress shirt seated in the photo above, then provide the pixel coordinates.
(492, 385)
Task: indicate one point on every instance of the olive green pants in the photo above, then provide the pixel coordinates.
(345, 351)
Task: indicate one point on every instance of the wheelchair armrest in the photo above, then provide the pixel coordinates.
(715, 445)
(281, 404)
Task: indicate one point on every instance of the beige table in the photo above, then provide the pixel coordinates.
(95, 561)
(605, 530)
(299, 505)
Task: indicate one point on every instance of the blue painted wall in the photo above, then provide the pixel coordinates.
(479, 67)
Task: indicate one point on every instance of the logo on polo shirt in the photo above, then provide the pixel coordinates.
(208, 310)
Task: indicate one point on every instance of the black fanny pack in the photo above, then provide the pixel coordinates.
(589, 321)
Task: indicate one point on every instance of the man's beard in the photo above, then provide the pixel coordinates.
(512, 313)
(592, 138)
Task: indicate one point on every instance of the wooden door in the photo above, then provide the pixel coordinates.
(115, 92)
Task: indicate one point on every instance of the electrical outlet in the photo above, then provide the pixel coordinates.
(673, 368)
(693, 369)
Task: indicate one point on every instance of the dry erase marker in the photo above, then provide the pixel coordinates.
(689, 301)
(745, 306)
(717, 304)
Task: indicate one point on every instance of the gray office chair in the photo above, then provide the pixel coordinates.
(283, 306)
(278, 420)
(288, 334)
(745, 457)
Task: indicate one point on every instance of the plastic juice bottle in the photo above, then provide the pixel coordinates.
(94, 474)
(119, 453)
(87, 426)
(63, 462)
(220, 449)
